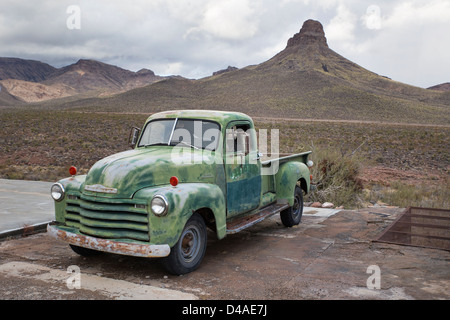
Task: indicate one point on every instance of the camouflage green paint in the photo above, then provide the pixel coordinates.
(133, 170)
(71, 185)
(183, 200)
(135, 176)
(243, 175)
(286, 178)
(267, 184)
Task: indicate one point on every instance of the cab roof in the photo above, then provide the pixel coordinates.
(222, 117)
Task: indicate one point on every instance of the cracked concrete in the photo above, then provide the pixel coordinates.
(322, 258)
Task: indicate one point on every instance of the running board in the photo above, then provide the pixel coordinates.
(239, 224)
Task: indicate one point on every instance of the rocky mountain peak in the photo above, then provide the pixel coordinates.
(145, 71)
(230, 68)
(310, 33)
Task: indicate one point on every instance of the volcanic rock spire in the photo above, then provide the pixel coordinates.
(310, 33)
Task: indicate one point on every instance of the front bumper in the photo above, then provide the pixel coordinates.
(112, 246)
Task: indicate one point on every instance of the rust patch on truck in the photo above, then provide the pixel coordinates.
(99, 244)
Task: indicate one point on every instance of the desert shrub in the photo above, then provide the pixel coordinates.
(335, 176)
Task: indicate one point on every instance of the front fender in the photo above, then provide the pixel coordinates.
(183, 201)
(286, 179)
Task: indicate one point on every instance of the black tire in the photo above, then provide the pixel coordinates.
(85, 252)
(293, 215)
(187, 254)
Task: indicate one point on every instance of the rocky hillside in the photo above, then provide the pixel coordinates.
(26, 70)
(441, 87)
(34, 81)
(87, 75)
(305, 80)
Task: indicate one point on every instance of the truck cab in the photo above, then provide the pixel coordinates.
(187, 171)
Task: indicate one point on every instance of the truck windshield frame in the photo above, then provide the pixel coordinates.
(181, 132)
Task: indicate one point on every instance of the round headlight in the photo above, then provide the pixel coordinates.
(57, 192)
(159, 205)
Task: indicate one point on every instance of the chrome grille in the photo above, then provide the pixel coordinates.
(107, 218)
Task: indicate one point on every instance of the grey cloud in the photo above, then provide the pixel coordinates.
(195, 38)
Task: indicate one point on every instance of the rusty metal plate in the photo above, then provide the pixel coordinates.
(420, 227)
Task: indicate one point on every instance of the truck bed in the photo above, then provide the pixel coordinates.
(301, 157)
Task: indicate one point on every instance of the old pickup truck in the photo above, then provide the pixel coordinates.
(187, 171)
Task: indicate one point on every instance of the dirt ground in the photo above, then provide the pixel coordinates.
(323, 258)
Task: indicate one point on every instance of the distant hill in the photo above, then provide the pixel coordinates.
(441, 87)
(305, 80)
(34, 81)
(87, 75)
(26, 70)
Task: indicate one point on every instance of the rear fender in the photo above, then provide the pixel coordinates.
(286, 179)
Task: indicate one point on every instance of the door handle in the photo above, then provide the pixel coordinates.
(258, 156)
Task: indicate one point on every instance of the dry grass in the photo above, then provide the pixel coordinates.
(404, 195)
(42, 145)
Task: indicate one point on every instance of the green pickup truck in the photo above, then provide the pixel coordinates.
(187, 171)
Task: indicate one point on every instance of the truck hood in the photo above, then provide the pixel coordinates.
(122, 174)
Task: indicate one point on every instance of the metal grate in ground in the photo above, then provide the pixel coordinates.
(420, 227)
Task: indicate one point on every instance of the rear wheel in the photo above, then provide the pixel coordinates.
(188, 252)
(293, 215)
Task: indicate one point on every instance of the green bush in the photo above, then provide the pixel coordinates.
(335, 175)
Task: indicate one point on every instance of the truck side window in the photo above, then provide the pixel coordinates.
(237, 139)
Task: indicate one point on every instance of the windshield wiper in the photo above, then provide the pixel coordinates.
(185, 143)
(155, 144)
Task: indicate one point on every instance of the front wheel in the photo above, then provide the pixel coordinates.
(293, 215)
(188, 252)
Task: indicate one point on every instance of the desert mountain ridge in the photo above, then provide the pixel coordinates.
(35, 81)
(305, 80)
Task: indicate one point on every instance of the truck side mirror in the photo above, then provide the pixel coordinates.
(133, 137)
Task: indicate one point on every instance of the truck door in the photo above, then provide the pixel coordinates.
(242, 168)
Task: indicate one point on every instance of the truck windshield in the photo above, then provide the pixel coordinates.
(197, 134)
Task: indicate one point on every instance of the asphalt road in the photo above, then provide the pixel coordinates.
(24, 204)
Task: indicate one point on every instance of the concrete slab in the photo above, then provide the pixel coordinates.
(24, 204)
(320, 212)
(90, 285)
(330, 259)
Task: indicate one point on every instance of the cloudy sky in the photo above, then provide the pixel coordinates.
(407, 41)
